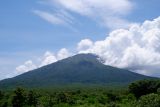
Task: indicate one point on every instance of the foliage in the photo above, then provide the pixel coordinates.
(32, 99)
(88, 97)
(82, 97)
(18, 98)
(1, 94)
(144, 87)
(150, 100)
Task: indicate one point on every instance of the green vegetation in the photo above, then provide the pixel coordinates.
(150, 100)
(144, 93)
(144, 87)
(18, 99)
(86, 83)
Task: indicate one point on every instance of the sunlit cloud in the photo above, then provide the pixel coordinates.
(136, 49)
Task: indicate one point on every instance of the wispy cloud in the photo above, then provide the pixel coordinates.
(52, 18)
(101, 11)
(90, 7)
(59, 17)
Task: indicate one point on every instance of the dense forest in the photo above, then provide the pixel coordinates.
(144, 93)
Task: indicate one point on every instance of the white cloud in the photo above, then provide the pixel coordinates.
(46, 59)
(28, 65)
(63, 53)
(49, 57)
(84, 45)
(89, 7)
(102, 11)
(59, 17)
(115, 22)
(136, 48)
(52, 18)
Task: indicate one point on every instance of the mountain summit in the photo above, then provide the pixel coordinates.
(78, 69)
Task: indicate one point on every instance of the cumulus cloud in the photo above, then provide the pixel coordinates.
(84, 45)
(27, 66)
(136, 48)
(63, 53)
(46, 59)
(102, 11)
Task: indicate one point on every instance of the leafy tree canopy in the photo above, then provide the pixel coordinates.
(144, 87)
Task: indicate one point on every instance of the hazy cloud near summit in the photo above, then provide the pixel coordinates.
(136, 48)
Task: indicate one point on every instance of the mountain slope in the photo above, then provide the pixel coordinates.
(81, 68)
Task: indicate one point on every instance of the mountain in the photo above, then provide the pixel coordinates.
(78, 69)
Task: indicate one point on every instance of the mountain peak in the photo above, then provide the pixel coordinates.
(81, 69)
(81, 57)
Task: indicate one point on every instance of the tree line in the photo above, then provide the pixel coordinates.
(143, 93)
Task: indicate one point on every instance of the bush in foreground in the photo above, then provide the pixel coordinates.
(144, 87)
(150, 100)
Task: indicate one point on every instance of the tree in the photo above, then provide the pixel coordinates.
(112, 97)
(4, 104)
(47, 100)
(32, 99)
(3, 100)
(144, 87)
(19, 98)
(102, 99)
(1, 94)
(61, 97)
(150, 100)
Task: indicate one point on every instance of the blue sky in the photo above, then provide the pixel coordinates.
(25, 34)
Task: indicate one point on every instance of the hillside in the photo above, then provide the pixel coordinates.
(78, 69)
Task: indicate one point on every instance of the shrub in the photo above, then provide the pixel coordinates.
(1, 94)
(19, 98)
(32, 99)
(150, 100)
(144, 87)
